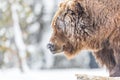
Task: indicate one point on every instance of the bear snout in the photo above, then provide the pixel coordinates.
(51, 47)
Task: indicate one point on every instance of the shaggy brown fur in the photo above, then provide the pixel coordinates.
(89, 25)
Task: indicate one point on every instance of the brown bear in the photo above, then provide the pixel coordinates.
(92, 25)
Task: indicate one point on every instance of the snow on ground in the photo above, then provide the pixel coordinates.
(56, 74)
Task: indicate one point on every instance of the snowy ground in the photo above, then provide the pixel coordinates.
(58, 74)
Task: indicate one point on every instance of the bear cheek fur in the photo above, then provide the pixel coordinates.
(68, 50)
(72, 49)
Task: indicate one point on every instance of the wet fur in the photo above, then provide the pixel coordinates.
(93, 25)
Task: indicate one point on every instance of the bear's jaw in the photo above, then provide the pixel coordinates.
(70, 55)
(58, 51)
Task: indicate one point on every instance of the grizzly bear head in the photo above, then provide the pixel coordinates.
(71, 27)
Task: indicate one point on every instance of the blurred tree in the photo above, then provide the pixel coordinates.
(25, 21)
(19, 42)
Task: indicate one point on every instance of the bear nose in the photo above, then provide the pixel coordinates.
(51, 47)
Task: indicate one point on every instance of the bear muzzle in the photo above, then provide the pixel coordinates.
(54, 49)
(51, 47)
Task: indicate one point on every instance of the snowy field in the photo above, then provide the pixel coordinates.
(58, 74)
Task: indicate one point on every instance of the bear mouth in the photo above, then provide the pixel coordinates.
(57, 51)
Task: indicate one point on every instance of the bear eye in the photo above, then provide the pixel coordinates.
(71, 12)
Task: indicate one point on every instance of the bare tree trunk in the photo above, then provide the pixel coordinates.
(20, 45)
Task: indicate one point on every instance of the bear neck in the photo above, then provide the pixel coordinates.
(102, 22)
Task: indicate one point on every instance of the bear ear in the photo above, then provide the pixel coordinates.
(75, 6)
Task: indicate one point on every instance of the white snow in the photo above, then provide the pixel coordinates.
(58, 74)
